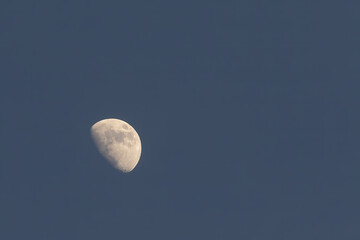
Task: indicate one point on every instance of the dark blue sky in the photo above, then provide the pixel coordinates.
(248, 113)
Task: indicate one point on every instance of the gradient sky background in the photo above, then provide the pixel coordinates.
(248, 113)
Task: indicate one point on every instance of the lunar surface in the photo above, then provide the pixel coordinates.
(118, 142)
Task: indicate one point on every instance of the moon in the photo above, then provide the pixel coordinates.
(118, 142)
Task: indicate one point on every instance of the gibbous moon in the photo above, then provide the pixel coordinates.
(118, 142)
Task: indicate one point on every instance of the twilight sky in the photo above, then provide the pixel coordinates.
(248, 112)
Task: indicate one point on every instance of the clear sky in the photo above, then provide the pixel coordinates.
(248, 112)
